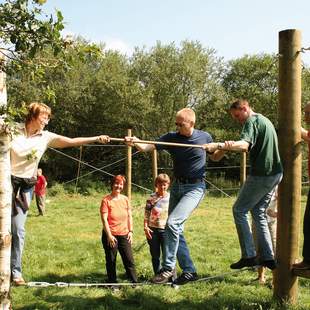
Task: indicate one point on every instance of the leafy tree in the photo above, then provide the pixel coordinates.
(172, 78)
(23, 32)
(254, 77)
(111, 93)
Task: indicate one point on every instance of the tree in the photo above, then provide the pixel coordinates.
(23, 32)
(254, 77)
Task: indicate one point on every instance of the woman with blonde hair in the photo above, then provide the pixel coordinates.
(28, 145)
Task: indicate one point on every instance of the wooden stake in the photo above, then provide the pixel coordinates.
(128, 167)
(154, 165)
(286, 284)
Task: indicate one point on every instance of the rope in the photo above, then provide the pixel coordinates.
(106, 166)
(223, 275)
(304, 49)
(110, 174)
(65, 284)
(124, 284)
(217, 188)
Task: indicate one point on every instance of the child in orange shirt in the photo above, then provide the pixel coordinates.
(117, 230)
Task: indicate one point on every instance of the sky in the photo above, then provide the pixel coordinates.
(232, 27)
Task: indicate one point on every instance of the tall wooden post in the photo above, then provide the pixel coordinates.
(129, 167)
(5, 205)
(286, 284)
(242, 167)
(154, 165)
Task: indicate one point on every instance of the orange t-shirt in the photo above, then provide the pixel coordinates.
(117, 210)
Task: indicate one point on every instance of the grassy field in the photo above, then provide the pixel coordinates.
(64, 246)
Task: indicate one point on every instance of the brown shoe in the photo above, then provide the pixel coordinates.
(19, 281)
(301, 265)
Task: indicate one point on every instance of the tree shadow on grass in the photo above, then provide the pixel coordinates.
(192, 296)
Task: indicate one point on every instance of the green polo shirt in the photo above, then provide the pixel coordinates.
(264, 152)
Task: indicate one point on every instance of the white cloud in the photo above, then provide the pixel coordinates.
(118, 45)
(110, 43)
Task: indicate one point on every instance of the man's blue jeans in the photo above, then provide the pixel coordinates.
(18, 238)
(255, 196)
(184, 198)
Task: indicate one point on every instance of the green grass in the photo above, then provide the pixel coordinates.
(65, 246)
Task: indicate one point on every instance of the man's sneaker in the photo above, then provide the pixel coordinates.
(245, 262)
(164, 276)
(271, 264)
(302, 265)
(186, 277)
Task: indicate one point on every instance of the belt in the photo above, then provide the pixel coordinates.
(189, 180)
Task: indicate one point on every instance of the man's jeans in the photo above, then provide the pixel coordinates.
(18, 237)
(255, 196)
(184, 198)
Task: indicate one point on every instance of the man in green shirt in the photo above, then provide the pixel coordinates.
(259, 138)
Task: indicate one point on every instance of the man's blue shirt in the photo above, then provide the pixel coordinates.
(188, 162)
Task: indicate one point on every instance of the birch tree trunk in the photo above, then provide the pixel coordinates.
(5, 206)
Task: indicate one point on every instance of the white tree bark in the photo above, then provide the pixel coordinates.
(5, 207)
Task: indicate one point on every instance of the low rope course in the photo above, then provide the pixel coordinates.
(95, 168)
(101, 169)
(110, 174)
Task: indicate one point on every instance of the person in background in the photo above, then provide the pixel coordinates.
(40, 192)
(117, 230)
(305, 263)
(271, 214)
(155, 218)
(29, 142)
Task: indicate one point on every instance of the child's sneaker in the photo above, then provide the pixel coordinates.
(164, 276)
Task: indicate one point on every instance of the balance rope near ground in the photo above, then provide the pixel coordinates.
(37, 284)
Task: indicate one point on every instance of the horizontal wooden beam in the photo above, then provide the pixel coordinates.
(301, 273)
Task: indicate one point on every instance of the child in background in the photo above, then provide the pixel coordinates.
(40, 192)
(115, 211)
(155, 218)
(271, 213)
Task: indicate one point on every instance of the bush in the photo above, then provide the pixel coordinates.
(57, 189)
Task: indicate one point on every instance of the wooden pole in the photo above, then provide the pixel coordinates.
(161, 143)
(5, 205)
(154, 165)
(242, 168)
(286, 284)
(128, 167)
